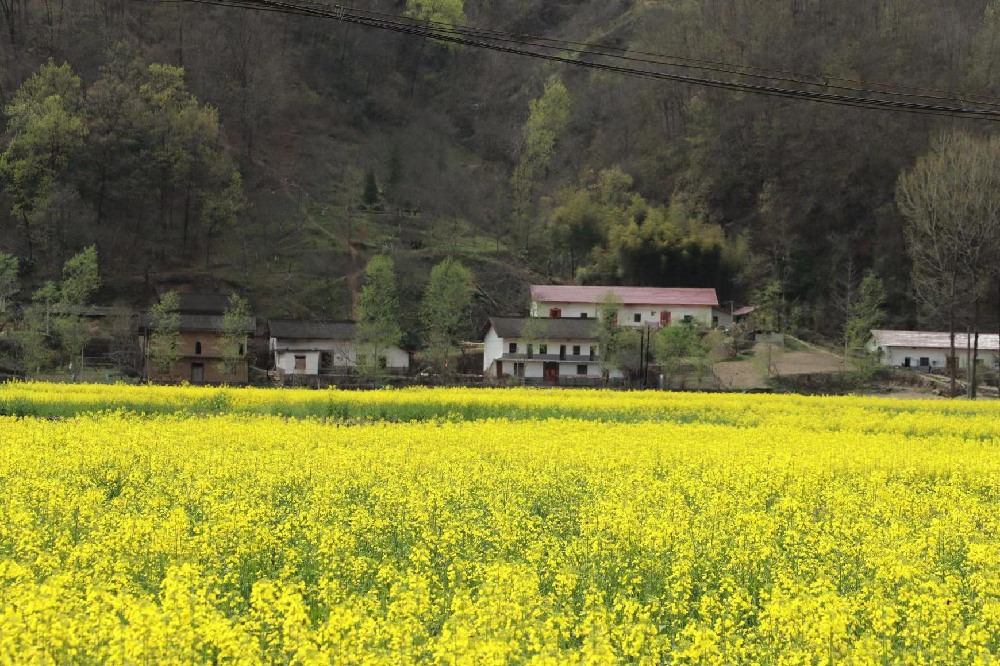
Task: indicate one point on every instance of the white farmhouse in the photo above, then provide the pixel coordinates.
(541, 348)
(640, 305)
(930, 350)
(322, 347)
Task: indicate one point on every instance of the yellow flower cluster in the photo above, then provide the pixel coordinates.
(674, 529)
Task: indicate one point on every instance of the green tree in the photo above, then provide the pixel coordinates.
(45, 299)
(163, 348)
(8, 285)
(451, 12)
(768, 316)
(222, 210)
(80, 280)
(233, 339)
(547, 119)
(865, 312)
(612, 343)
(680, 346)
(575, 227)
(185, 157)
(377, 314)
(46, 128)
(369, 196)
(445, 305)
(31, 337)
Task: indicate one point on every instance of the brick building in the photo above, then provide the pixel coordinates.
(201, 340)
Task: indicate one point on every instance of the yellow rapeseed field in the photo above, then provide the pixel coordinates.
(193, 526)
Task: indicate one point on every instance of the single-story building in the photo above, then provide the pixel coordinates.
(323, 347)
(640, 305)
(541, 348)
(929, 350)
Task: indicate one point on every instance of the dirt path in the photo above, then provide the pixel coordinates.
(751, 373)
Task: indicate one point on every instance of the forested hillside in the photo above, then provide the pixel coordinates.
(273, 154)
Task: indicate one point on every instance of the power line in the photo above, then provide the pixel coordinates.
(790, 76)
(455, 36)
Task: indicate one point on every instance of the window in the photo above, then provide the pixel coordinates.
(576, 350)
(583, 315)
(512, 348)
(555, 312)
(637, 318)
(197, 347)
(593, 352)
(581, 369)
(241, 349)
(924, 361)
(688, 319)
(543, 349)
(531, 350)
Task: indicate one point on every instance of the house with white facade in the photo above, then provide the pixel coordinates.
(926, 350)
(322, 347)
(640, 305)
(545, 349)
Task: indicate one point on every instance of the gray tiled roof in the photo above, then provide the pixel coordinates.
(319, 330)
(202, 322)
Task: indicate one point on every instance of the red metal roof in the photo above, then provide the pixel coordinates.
(628, 295)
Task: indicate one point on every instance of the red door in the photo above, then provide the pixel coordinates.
(664, 318)
(550, 371)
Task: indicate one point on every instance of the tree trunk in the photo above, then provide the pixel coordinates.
(973, 372)
(416, 66)
(27, 236)
(187, 214)
(951, 335)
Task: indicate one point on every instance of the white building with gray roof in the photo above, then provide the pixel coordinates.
(323, 347)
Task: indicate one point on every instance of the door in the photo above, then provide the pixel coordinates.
(300, 365)
(197, 373)
(664, 318)
(499, 369)
(550, 371)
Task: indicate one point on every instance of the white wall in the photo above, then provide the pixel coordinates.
(285, 361)
(626, 315)
(492, 349)
(345, 353)
(725, 319)
(896, 356)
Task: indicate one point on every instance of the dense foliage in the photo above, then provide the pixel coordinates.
(345, 141)
(740, 529)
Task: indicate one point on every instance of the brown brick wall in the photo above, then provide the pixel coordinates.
(209, 358)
